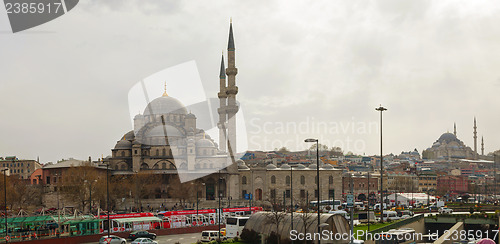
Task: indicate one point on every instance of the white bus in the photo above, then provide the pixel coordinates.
(335, 205)
(235, 225)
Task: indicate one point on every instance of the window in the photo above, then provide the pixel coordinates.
(157, 152)
(330, 180)
(123, 154)
(302, 180)
(302, 193)
(316, 180)
(135, 151)
(273, 179)
(164, 166)
(48, 179)
(287, 193)
(287, 179)
(244, 180)
(164, 153)
(331, 194)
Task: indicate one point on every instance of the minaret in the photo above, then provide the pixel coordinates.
(231, 91)
(455, 129)
(482, 146)
(222, 107)
(475, 139)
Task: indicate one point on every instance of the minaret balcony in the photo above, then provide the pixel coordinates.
(231, 71)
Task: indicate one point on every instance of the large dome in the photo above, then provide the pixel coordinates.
(447, 137)
(165, 105)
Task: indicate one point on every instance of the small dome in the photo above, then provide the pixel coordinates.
(271, 166)
(165, 105)
(190, 116)
(123, 144)
(241, 164)
(301, 166)
(327, 166)
(313, 166)
(204, 143)
(285, 166)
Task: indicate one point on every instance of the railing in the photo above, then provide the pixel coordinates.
(398, 224)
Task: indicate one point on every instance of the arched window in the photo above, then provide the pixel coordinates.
(164, 166)
(273, 179)
(164, 152)
(330, 180)
(302, 180)
(316, 180)
(123, 153)
(157, 152)
(287, 180)
(124, 166)
(244, 180)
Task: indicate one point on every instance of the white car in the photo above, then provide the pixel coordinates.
(114, 240)
(444, 210)
(144, 240)
(210, 235)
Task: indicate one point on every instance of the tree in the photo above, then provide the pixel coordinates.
(183, 192)
(276, 218)
(76, 183)
(283, 150)
(320, 146)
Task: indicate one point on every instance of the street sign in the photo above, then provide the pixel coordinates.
(7, 238)
(107, 240)
(248, 196)
(350, 200)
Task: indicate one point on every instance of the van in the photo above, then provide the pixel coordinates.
(210, 235)
(390, 215)
(341, 212)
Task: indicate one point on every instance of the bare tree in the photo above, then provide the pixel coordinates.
(183, 192)
(276, 218)
(75, 184)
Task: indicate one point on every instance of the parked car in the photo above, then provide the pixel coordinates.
(210, 235)
(141, 234)
(114, 240)
(223, 231)
(144, 240)
(445, 210)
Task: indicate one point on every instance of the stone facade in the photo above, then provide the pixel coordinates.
(21, 167)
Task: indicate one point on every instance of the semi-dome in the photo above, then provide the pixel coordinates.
(165, 105)
(313, 166)
(300, 166)
(123, 144)
(204, 143)
(447, 137)
(129, 136)
(158, 131)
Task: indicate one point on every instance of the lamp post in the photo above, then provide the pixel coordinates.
(197, 209)
(219, 210)
(107, 197)
(317, 182)
(381, 109)
(90, 194)
(5, 201)
(368, 195)
(291, 197)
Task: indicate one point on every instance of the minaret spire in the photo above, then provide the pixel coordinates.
(231, 91)
(475, 138)
(230, 43)
(455, 129)
(222, 74)
(165, 90)
(222, 107)
(482, 146)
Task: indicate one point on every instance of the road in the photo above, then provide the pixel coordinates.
(171, 239)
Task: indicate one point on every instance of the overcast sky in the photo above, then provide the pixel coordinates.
(312, 69)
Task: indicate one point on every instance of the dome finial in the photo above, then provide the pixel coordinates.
(165, 91)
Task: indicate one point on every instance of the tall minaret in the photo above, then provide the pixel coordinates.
(231, 91)
(482, 146)
(455, 129)
(475, 139)
(222, 107)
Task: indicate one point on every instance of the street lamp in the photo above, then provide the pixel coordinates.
(291, 197)
(317, 182)
(219, 210)
(5, 200)
(381, 109)
(197, 209)
(107, 197)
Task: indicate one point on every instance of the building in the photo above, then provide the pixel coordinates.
(167, 141)
(274, 184)
(359, 183)
(449, 147)
(452, 185)
(20, 167)
(400, 181)
(427, 182)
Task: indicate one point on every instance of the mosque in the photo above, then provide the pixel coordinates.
(167, 142)
(449, 147)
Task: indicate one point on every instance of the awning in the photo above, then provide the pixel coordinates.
(140, 219)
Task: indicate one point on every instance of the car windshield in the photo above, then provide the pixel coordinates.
(204, 234)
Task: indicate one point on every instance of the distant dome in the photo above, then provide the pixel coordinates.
(123, 144)
(285, 166)
(204, 143)
(190, 116)
(271, 166)
(165, 105)
(447, 137)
